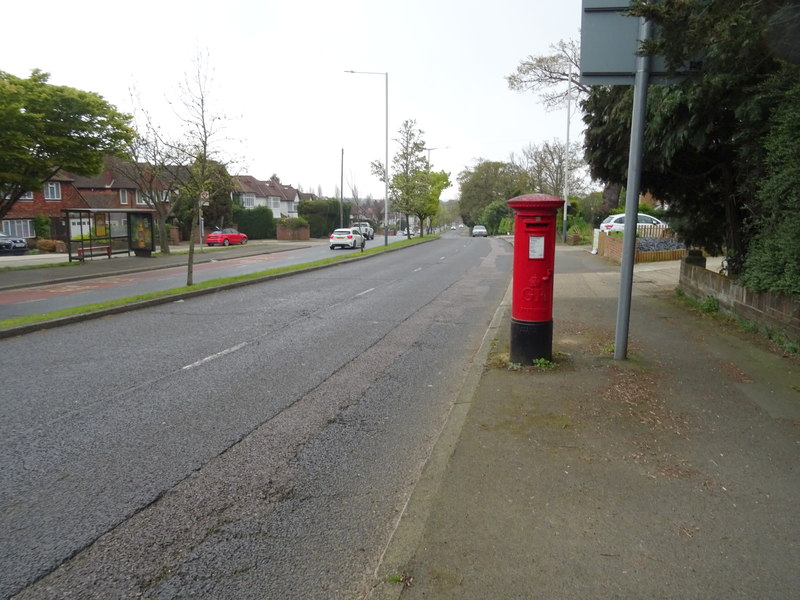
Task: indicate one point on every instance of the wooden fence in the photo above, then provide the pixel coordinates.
(611, 247)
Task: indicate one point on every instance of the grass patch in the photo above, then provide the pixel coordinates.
(42, 266)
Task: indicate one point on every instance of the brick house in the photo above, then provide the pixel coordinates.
(111, 189)
(57, 193)
(282, 200)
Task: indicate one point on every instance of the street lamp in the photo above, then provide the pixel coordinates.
(386, 170)
(431, 149)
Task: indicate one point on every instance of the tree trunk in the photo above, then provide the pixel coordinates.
(190, 263)
(163, 236)
(611, 193)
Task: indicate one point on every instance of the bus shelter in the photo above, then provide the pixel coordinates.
(102, 232)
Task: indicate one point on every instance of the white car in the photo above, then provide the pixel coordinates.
(347, 238)
(479, 230)
(617, 222)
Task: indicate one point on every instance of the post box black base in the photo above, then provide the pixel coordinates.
(531, 340)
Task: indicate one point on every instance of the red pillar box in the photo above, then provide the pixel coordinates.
(534, 258)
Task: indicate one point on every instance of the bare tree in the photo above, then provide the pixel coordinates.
(153, 170)
(543, 167)
(546, 76)
(197, 151)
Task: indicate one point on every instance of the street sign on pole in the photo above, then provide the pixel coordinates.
(610, 44)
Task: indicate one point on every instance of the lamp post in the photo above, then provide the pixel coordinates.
(431, 149)
(386, 164)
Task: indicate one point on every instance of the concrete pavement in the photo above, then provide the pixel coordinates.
(673, 474)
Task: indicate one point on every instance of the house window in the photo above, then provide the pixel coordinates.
(19, 228)
(249, 200)
(52, 191)
(275, 205)
(140, 199)
(123, 196)
(27, 197)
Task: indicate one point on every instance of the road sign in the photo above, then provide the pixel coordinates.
(609, 45)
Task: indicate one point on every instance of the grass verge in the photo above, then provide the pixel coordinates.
(199, 287)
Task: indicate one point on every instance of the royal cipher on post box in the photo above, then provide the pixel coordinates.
(534, 257)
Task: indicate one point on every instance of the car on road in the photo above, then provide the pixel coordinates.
(347, 238)
(479, 231)
(226, 237)
(366, 229)
(13, 244)
(405, 233)
(617, 222)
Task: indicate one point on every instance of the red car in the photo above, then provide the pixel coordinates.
(226, 237)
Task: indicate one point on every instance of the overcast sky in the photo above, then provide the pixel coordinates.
(278, 74)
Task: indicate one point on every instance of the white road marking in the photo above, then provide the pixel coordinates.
(215, 356)
(364, 292)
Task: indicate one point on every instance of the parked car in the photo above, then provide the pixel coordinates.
(366, 229)
(13, 244)
(405, 233)
(347, 238)
(617, 222)
(226, 237)
(479, 231)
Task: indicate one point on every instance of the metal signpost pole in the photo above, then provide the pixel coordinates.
(632, 194)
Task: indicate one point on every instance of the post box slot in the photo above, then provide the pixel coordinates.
(535, 225)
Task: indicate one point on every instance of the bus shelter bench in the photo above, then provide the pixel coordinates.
(91, 250)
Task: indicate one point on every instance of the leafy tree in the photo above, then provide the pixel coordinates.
(413, 187)
(487, 182)
(428, 205)
(703, 147)
(494, 214)
(409, 183)
(773, 259)
(448, 213)
(46, 128)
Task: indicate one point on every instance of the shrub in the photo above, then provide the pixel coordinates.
(46, 245)
(257, 223)
(41, 226)
(293, 223)
(709, 305)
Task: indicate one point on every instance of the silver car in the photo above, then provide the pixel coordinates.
(479, 231)
(10, 243)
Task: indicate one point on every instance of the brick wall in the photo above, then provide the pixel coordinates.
(288, 234)
(775, 311)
